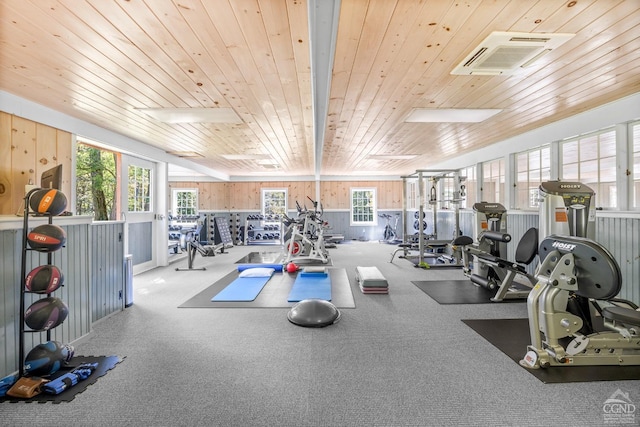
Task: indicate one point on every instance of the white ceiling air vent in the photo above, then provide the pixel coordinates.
(503, 53)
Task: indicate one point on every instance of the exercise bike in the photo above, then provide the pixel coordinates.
(579, 268)
(390, 234)
(305, 235)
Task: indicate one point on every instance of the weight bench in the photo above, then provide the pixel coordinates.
(432, 250)
(371, 280)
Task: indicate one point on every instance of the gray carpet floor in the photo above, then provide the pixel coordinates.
(399, 359)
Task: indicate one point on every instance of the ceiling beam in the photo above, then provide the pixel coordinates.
(323, 33)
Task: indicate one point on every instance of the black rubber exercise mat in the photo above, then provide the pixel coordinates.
(511, 336)
(276, 258)
(105, 364)
(458, 292)
(275, 292)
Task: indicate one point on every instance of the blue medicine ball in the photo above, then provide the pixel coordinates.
(47, 358)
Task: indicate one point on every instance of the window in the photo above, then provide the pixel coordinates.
(184, 202)
(363, 206)
(274, 201)
(139, 193)
(591, 160)
(96, 182)
(532, 168)
(493, 181)
(635, 139)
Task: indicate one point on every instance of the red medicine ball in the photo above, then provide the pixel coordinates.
(44, 279)
(48, 201)
(46, 238)
(45, 314)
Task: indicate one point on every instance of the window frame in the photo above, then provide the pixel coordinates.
(373, 214)
(263, 201)
(634, 161)
(176, 210)
(581, 163)
(543, 172)
(501, 179)
(116, 193)
(145, 182)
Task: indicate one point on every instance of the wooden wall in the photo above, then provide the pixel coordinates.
(245, 196)
(336, 194)
(27, 149)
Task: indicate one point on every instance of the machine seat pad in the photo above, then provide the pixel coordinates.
(622, 314)
(527, 247)
(462, 241)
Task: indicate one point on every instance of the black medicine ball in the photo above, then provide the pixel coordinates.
(49, 201)
(45, 314)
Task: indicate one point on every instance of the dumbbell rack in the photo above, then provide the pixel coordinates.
(234, 226)
(23, 277)
(263, 230)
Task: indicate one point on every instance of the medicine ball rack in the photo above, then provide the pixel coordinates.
(23, 276)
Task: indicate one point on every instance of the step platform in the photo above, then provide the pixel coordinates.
(371, 281)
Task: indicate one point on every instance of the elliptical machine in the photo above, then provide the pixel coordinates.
(305, 235)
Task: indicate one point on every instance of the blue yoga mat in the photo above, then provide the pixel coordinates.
(311, 285)
(242, 289)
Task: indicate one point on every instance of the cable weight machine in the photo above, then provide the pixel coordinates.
(425, 244)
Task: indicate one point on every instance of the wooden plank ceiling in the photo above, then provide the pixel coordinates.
(102, 61)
